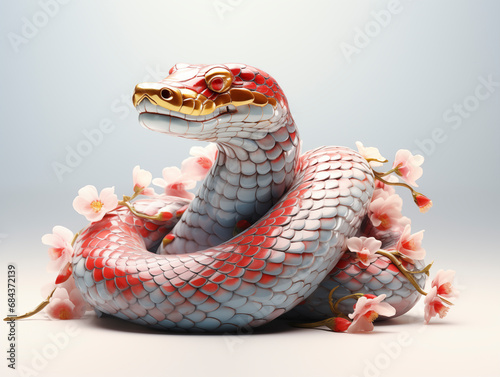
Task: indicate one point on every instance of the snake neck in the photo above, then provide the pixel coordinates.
(248, 178)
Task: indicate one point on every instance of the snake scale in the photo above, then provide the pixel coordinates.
(301, 209)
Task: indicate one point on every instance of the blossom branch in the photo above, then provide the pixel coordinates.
(379, 176)
(338, 301)
(424, 270)
(377, 160)
(38, 309)
(157, 217)
(403, 270)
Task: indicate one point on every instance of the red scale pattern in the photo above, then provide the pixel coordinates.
(244, 77)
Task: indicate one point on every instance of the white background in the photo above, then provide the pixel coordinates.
(78, 67)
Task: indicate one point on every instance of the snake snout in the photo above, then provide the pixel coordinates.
(167, 97)
(181, 100)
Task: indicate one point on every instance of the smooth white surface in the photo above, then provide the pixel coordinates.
(465, 343)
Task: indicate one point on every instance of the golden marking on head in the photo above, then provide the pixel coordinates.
(187, 101)
(219, 80)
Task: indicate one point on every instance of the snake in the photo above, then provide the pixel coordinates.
(192, 272)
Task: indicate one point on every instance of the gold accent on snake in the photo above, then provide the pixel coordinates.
(221, 76)
(187, 101)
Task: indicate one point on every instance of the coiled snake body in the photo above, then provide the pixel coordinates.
(302, 208)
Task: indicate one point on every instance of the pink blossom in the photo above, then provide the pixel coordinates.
(385, 210)
(408, 166)
(443, 283)
(370, 153)
(404, 221)
(201, 161)
(67, 301)
(61, 250)
(60, 306)
(366, 310)
(410, 245)
(175, 183)
(365, 248)
(434, 305)
(93, 205)
(142, 179)
(380, 193)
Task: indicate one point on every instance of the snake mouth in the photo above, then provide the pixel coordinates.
(157, 118)
(147, 106)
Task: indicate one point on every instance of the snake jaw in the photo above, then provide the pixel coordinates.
(206, 127)
(223, 124)
(148, 106)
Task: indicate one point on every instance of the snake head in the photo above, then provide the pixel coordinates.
(211, 102)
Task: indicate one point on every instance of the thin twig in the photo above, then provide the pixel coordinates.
(38, 309)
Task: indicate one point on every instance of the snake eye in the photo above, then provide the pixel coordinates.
(219, 79)
(166, 94)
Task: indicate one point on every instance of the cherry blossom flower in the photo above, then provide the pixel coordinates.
(380, 193)
(75, 296)
(175, 183)
(434, 305)
(385, 210)
(365, 248)
(366, 310)
(370, 153)
(410, 245)
(61, 250)
(403, 222)
(67, 301)
(142, 179)
(60, 306)
(93, 205)
(201, 161)
(408, 166)
(443, 283)
(423, 202)
(382, 187)
(384, 190)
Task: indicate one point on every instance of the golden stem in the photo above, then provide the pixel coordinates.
(312, 324)
(335, 307)
(380, 174)
(446, 301)
(74, 238)
(329, 322)
(425, 270)
(138, 214)
(38, 309)
(374, 159)
(379, 177)
(403, 270)
(330, 302)
(408, 274)
(136, 194)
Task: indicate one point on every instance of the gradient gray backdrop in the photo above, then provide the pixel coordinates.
(78, 68)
